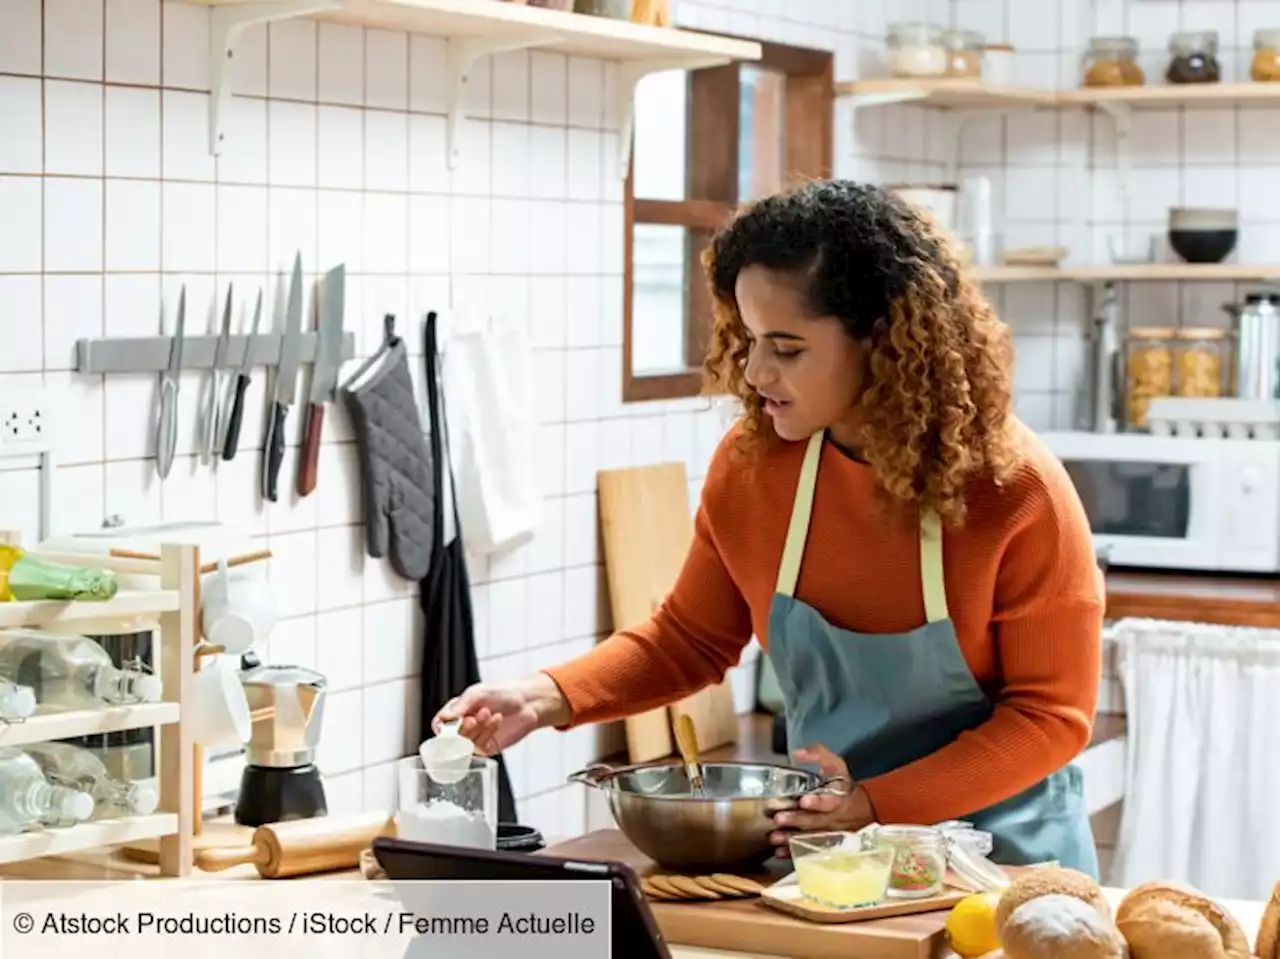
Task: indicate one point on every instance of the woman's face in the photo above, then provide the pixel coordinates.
(806, 369)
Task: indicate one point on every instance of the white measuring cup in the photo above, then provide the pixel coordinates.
(447, 756)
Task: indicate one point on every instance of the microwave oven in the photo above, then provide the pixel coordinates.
(1177, 503)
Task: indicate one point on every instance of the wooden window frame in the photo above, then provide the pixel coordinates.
(713, 111)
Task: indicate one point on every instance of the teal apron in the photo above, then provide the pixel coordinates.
(881, 701)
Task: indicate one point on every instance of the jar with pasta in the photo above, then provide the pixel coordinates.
(1202, 362)
(1112, 62)
(1148, 371)
(1265, 66)
(964, 53)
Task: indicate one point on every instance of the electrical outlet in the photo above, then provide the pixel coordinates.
(24, 423)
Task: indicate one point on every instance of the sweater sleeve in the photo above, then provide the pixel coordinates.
(690, 642)
(1047, 623)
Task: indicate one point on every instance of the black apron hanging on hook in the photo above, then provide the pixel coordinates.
(449, 662)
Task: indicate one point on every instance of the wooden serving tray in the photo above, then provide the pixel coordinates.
(785, 895)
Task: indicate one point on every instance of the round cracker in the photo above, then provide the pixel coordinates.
(748, 887)
(664, 885)
(692, 888)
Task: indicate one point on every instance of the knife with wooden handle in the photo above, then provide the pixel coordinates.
(324, 379)
(286, 386)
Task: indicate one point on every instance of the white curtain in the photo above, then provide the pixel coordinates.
(1202, 789)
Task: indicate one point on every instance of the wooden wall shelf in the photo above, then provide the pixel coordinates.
(977, 94)
(1135, 273)
(475, 29)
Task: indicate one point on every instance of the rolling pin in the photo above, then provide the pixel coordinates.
(301, 847)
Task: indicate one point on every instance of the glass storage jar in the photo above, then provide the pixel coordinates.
(1265, 67)
(1148, 371)
(1112, 62)
(964, 53)
(917, 50)
(919, 859)
(1195, 57)
(1202, 362)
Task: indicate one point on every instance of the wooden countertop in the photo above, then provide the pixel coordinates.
(1226, 600)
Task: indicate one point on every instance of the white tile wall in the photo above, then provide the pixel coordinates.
(1055, 176)
(110, 202)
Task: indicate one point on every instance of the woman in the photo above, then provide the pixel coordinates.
(912, 558)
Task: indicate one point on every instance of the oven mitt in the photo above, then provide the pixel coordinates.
(395, 463)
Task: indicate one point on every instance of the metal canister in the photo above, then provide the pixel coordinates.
(1257, 336)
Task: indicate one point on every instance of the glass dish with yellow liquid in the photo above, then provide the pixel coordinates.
(834, 869)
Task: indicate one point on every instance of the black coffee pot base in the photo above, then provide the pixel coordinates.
(269, 794)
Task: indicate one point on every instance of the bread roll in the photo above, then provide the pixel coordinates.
(1048, 881)
(1268, 945)
(1060, 926)
(1158, 929)
(1232, 941)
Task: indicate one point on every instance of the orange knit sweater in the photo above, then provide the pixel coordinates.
(1023, 589)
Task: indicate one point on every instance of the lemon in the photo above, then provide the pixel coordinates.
(971, 926)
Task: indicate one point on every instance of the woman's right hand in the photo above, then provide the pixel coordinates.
(496, 716)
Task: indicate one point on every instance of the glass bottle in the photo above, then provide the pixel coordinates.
(16, 702)
(28, 799)
(917, 50)
(71, 671)
(68, 765)
(23, 577)
(964, 53)
(919, 861)
(1265, 66)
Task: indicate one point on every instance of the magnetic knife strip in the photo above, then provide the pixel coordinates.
(150, 354)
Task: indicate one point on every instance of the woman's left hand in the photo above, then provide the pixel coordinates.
(846, 810)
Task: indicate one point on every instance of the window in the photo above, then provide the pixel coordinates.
(706, 141)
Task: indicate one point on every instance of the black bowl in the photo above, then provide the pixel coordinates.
(513, 837)
(1203, 246)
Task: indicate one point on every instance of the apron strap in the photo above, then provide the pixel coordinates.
(932, 580)
(801, 511)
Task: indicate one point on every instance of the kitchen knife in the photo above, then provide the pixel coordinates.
(324, 376)
(232, 439)
(212, 407)
(286, 385)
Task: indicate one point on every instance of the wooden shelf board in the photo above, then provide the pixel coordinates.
(1174, 95)
(575, 33)
(44, 727)
(124, 603)
(89, 835)
(1152, 272)
(954, 93)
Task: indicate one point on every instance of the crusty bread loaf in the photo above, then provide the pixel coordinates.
(1049, 881)
(1268, 944)
(1232, 943)
(1061, 926)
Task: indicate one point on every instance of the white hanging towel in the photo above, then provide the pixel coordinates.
(488, 376)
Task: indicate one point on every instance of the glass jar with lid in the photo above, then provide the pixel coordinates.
(1112, 62)
(1148, 371)
(1202, 362)
(1265, 67)
(1194, 57)
(919, 859)
(964, 53)
(917, 50)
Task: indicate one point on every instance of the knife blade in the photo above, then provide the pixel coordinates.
(324, 377)
(286, 385)
(232, 439)
(213, 402)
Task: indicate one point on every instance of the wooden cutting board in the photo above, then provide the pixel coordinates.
(646, 529)
(750, 927)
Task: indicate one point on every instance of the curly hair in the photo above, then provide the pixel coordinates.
(934, 408)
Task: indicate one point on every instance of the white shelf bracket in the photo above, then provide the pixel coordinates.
(225, 26)
(956, 121)
(1122, 114)
(630, 73)
(463, 52)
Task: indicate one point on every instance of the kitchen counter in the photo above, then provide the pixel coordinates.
(1225, 600)
(100, 866)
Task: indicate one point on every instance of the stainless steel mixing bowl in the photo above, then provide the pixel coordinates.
(727, 826)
